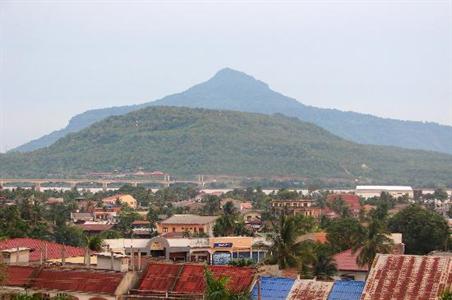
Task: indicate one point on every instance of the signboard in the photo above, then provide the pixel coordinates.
(222, 245)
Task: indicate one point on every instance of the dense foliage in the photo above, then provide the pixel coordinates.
(186, 141)
(423, 230)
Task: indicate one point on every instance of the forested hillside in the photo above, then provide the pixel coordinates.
(184, 141)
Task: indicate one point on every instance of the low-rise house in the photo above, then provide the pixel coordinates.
(213, 250)
(408, 277)
(142, 229)
(294, 207)
(15, 256)
(112, 261)
(41, 250)
(121, 199)
(310, 290)
(176, 281)
(82, 217)
(95, 228)
(316, 237)
(79, 283)
(54, 201)
(351, 200)
(347, 268)
(192, 224)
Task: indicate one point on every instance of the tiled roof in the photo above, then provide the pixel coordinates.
(346, 261)
(78, 281)
(95, 227)
(18, 275)
(273, 288)
(346, 290)
(189, 279)
(408, 277)
(310, 290)
(351, 199)
(314, 236)
(54, 250)
(189, 219)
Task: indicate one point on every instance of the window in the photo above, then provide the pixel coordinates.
(165, 229)
(174, 229)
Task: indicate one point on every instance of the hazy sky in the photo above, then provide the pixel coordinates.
(59, 58)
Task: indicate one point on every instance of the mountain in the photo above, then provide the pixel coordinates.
(233, 90)
(187, 141)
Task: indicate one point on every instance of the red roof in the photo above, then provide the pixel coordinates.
(351, 199)
(54, 250)
(408, 277)
(19, 275)
(159, 277)
(310, 290)
(189, 279)
(78, 281)
(346, 261)
(140, 222)
(95, 227)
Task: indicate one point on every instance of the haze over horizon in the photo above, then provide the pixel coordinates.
(59, 59)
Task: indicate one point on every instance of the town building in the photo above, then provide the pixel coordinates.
(182, 224)
(41, 250)
(408, 277)
(121, 199)
(81, 284)
(369, 191)
(351, 200)
(187, 281)
(15, 256)
(304, 207)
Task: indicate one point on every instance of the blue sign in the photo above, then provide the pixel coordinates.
(222, 245)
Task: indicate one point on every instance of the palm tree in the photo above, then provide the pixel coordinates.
(376, 241)
(285, 250)
(324, 266)
(216, 288)
(317, 261)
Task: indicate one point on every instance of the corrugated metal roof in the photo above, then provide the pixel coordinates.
(54, 250)
(189, 219)
(78, 281)
(346, 290)
(310, 290)
(408, 277)
(273, 288)
(189, 278)
(18, 275)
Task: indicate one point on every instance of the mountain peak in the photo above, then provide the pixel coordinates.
(234, 77)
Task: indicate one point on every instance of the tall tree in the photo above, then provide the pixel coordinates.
(422, 230)
(345, 233)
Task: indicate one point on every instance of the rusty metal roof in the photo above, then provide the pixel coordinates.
(310, 290)
(189, 278)
(408, 277)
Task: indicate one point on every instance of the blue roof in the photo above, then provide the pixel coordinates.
(346, 290)
(273, 288)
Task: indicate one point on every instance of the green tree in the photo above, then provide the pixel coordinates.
(440, 194)
(70, 235)
(216, 288)
(94, 243)
(126, 217)
(285, 250)
(375, 241)
(422, 230)
(345, 233)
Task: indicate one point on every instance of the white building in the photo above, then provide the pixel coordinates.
(369, 191)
